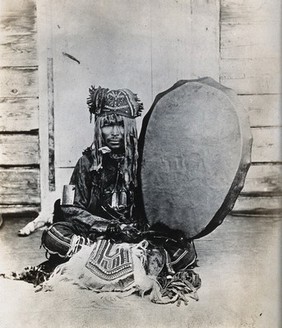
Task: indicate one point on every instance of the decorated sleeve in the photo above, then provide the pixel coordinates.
(81, 180)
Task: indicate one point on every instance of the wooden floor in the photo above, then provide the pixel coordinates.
(239, 264)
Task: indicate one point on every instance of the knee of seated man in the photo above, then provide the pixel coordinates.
(57, 238)
(182, 258)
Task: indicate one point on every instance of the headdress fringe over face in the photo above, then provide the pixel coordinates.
(114, 106)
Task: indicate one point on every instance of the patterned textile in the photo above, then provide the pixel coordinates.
(56, 241)
(122, 102)
(122, 268)
(111, 262)
(106, 267)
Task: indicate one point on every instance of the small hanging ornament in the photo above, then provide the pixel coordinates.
(122, 199)
(114, 202)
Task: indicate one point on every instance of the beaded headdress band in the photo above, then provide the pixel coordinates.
(122, 101)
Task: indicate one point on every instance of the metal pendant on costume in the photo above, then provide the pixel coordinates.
(119, 200)
(122, 200)
(114, 203)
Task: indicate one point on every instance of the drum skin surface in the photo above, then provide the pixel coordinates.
(195, 149)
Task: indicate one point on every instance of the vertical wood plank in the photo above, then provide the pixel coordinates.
(185, 41)
(114, 51)
(45, 45)
(51, 126)
(171, 37)
(205, 38)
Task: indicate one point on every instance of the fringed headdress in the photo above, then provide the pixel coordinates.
(114, 106)
(122, 102)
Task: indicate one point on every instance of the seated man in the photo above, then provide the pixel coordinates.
(105, 182)
(104, 177)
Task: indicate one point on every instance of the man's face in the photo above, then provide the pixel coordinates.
(113, 136)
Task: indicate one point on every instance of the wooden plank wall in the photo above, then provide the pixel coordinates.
(250, 64)
(19, 141)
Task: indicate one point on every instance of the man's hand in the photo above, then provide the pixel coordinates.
(113, 229)
(112, 232)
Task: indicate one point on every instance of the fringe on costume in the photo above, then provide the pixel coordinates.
(119, 269)
(100, 268)
(89, 269)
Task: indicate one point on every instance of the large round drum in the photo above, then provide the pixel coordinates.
(195, 147)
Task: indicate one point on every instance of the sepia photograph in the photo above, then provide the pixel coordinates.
(140, 164)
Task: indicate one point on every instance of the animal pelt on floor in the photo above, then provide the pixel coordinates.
(44, 218)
